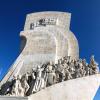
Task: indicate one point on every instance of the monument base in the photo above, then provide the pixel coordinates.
(12, 98)
(83, 88)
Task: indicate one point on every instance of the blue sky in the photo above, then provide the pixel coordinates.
(85, 23)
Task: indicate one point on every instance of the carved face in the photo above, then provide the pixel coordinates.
(65, 61)
(18, 76)
(59, 61)
(49, 68)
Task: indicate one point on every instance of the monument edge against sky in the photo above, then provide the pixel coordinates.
(46, 37)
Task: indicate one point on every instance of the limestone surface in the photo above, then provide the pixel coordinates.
(12, 98)
(77, 89)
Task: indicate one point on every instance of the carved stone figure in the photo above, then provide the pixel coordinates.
(17, 89)
(68, 60)
(65, 71)
(68, 74)
(85, 67)
(61, 71)
(39, 84)
(65, 64)
(72, 67)
(90, 70)
(7, 87)
(94, 65)
(24, 83)
(32, 82)
(51, 76)
(28, 77)
(47, 75)
(78, 70)
(82, 68)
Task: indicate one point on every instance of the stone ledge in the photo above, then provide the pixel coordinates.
(12, 98)
(83, 88)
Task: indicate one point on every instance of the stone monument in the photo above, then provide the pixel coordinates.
(46, 37)
(49, 56)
